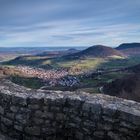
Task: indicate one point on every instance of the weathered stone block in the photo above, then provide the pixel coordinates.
(130, 118)
(49, 123)
(19, 101)
(55, 109)
(87, 131)
(109, 112)
(32, 130)
(10, 115)
(18, 127)
(86, 107)
(22, 118)
(110, 119)
(49, 115)
(39, 114)
(79, 135)
(128, 125)
(6, 98)
(114, 136)
(39, 101)
(89, 124)
(6, 121)
(104, 126)
(1, 110)
(38, 121)
(34, 106)
(45, 108)
(14, 109)
(99, 134)
(96, 109)
(4, 128)
(60, 117)
(48, 131)
(24, 110)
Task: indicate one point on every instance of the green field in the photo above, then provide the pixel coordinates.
(33, 83)
(83, 64)
(121, 63)
(91, 85)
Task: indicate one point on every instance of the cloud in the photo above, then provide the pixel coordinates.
(68, 22)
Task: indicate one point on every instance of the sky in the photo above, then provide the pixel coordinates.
(34, 23)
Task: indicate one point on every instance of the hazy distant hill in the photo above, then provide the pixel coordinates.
(58, 53)
(43, 59)
(99, 51)
(33, 61)
(128, 45)
(130, 49)
(47, 59)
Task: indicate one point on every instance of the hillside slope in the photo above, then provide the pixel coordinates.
(130, 49)
(99, 51)
(126, 87)
(57, 53)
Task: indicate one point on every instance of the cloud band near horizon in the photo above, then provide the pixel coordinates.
(68, 22)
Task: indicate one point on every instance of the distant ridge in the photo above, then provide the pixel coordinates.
(58, 53)
(96, 51)
(130, 49)
(128, 46)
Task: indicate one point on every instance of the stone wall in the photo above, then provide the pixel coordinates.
(47, 115)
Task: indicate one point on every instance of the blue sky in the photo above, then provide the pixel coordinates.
(68, 22)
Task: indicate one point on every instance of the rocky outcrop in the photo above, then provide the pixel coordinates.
(27, 114)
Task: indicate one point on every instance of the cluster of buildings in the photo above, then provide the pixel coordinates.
(67, 81)
(51, 77)
(70, 81)
(41, 73)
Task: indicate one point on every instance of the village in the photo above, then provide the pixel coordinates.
(42, 73)
(50, 77)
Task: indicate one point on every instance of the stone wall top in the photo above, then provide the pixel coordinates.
(105, 101)
(28, 114)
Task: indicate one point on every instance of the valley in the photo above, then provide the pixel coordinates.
(88, 70)
(69, 70)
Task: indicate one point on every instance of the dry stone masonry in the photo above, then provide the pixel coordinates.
(47, 115)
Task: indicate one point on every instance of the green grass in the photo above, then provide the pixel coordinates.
(92, 90)
(85, 64)
(82, 64)
(120, 63)
(89, 63)
(30, 58)
(92, 85)
(59, 62)
(33, 83)
(67, 64)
